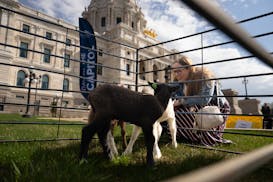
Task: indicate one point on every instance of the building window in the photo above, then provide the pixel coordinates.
(133, 25)
(66, 84)
(100, 52)
(68, 42)
(103, 21)
(23, 49)
(19, 97)
(66, 60)
(128, 69)
(48, 35)
(118, 20)
(26, 28)
(45, 82)
(99, 69)
(21, 75)
(47, 53)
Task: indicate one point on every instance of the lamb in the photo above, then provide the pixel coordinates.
(113, 102)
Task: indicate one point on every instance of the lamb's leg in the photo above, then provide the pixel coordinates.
(157, 130)
(173, 129)
(102, 134)
(113, 124)
(149, 141)
(87, 134)
(135, 133)
(123, 134)
(112, 145)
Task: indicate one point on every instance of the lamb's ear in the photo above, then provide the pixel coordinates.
(153, 85)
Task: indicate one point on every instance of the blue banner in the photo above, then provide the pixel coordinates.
(88, 72)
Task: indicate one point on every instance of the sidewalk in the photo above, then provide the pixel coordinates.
(84, 120)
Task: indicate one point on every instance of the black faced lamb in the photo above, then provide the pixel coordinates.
(168, 116)
(113, 102)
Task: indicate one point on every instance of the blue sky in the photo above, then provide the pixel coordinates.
(171, 19)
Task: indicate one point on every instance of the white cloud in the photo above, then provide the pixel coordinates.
(70, 10)
(172, 19)
(187, 23)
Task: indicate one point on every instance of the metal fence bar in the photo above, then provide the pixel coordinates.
(59, 72)
(206, 31)
(136, 72)
(55, 40)
(212, 148)
(61, 26)
(71, 108)
(86, 109)
(62, 95)
(40, 123)
(205, 47)
(176, 97)
(224, 23)
(205, 63)
(222, 78)
(230, 170)
(62, 57)
(39, 140)
(81, 124)
(227, 132)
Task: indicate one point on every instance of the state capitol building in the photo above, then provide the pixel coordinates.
(49, 47)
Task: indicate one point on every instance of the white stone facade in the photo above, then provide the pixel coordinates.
(118, 20)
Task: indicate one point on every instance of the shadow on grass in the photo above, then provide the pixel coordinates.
(61, 164)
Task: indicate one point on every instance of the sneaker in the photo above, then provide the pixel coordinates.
(225, 141)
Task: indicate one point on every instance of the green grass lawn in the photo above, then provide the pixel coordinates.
(58, 160)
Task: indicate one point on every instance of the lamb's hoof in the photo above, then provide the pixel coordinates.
(127, 152)
(112, 156)
(83, 161)
(150, 164)
(115, 153)
(175, 145)
(157, 156)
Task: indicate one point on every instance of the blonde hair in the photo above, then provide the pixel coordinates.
(195, 73)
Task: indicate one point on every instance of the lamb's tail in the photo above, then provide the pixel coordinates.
(92, 110)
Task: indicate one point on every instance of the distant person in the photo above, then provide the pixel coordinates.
(267, 120)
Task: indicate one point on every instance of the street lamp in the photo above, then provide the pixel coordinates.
(37, 103)
(245, 81)
(38, 81)
(31, 78)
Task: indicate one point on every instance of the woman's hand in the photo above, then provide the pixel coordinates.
(177, 103)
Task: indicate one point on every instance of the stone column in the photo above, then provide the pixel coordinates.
(161, 73)
(34, 57)
(6, 54)
(4, 31)
(61, 60)
(233, 101)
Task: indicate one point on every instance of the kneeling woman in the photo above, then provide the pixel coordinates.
(185, 107)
